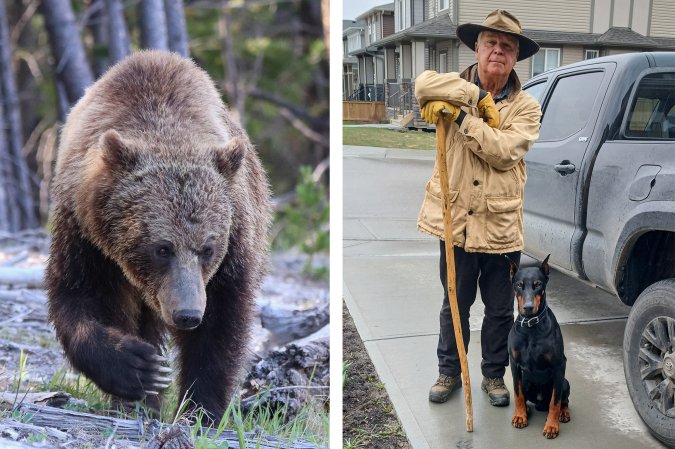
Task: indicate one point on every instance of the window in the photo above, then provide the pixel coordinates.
(545, 59)
(537, 90)
(652, 113)
(442, 62)
(443, 4)
(570, 106)
(353, 42)
(590, 54)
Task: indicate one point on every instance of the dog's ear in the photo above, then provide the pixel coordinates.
(544, 266)
(513, 268)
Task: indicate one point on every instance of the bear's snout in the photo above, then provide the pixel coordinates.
(187, 319)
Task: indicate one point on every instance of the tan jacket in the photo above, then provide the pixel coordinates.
(485, 166)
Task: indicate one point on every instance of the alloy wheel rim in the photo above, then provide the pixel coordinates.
(657, 363)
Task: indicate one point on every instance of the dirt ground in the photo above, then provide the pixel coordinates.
(368, 418)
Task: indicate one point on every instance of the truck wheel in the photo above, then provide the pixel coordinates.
(649, 358)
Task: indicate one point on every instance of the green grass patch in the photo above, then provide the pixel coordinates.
(389, 138)
(310, 424)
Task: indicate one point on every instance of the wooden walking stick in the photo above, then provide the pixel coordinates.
(441, 130)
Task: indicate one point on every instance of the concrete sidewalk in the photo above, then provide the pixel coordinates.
(393, 292)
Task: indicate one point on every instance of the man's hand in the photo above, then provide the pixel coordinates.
(487, 109)
(431, 111)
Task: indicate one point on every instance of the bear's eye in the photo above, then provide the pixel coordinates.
(163, 251)
(207, 251)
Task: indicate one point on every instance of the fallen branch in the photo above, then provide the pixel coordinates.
(287, 325)
(28, 277)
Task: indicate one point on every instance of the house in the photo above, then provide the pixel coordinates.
(374, 25)
(567, 31)
(352, 40)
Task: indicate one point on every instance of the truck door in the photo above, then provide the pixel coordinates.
(570, 110)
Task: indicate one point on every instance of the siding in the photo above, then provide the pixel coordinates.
(387, 25)
(430, 9)
(557, 15)
(621, 13)
(523, 69)
(662, 18)
(466, 57)
(640, 19)
(601, 18)
(571, 54)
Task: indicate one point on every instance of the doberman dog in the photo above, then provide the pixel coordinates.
(536, 352)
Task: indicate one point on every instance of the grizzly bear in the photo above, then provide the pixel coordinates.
(160, 219)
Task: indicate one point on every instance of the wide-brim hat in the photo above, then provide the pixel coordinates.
(502, 22)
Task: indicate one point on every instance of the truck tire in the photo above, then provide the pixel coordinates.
(649, 358)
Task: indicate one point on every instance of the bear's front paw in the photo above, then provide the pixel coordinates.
(138, 370)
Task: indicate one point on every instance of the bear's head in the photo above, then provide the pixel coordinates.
(166, 221)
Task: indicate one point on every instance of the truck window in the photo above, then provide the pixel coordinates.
(652, 113)
(570, 105)
(537, 90)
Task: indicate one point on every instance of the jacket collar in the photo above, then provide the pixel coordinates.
(471, 73)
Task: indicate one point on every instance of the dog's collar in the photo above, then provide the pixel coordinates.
(529, 322)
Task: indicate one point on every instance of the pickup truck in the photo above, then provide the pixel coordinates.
(600, 198)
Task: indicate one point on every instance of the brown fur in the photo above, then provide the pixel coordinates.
(151, 163)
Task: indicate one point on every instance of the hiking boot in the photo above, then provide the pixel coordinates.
(440, 391)
(496, 389)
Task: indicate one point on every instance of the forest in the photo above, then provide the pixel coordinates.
(269, 59)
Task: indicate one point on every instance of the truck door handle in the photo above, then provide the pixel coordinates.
(564, 168)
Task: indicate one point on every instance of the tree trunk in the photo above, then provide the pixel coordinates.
(98, 24)
(119, 46)
(175, 21)
(23, 193)
(232, 84)
(153, 24)
(6, 184)
(71, 65)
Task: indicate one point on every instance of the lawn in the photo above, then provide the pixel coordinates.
(389, 138)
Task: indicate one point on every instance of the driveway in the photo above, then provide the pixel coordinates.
(392, 289)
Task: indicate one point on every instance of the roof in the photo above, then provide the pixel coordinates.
(388, 7)
(441, 27)
(349, 26)
(625, 37)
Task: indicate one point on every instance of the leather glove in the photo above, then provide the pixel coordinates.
(487, 109)
(431, 111)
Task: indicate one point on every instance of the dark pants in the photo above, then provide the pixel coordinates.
(490, 272)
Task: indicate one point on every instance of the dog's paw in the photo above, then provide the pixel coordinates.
(519, 420)
(551, 429)
(564, 415)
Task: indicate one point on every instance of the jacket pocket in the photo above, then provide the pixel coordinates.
(502, 221)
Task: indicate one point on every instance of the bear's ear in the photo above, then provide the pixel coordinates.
(116, 152)
(229, 157)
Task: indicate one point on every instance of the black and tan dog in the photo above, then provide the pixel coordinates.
(536, 352)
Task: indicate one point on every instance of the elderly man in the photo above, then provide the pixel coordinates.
(493, 124)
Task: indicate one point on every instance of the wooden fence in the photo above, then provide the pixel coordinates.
(364, 111)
